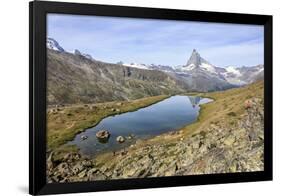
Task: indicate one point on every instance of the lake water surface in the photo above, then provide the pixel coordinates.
(170, 114)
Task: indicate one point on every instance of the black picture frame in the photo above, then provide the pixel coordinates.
(37, 99)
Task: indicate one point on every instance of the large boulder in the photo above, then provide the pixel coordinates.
(248, 104)
(120, 139)
(84, 137)
(103, 135)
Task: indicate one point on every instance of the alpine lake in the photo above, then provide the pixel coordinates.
(165, 116)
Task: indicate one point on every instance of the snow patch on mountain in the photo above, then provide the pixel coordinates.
(208, 67)
(196, 68)
(233, 70)
(261, 69)
(136, 65)
(187, 68)
(54, 45)
(197, 63)
(233, 75)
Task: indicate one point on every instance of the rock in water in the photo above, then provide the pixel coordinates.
(84, 137)
(103, 135)
(120, 139)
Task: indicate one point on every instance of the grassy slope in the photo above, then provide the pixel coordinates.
(64, 124)
(227, 108)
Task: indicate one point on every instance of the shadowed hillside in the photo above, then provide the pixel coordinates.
(72, 78)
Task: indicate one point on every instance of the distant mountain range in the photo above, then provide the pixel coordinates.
(75, 77)
(197, 66)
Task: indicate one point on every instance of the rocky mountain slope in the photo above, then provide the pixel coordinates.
(74, 78)
(235, 144)
(197, 69)
(243, 75)
(204, 76)
(200, 75)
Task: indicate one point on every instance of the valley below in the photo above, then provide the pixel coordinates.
(226, 137)
(129, 120)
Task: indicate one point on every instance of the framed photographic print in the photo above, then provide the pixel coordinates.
(131, 97)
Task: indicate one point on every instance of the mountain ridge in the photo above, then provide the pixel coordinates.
(77, 77)
(235, 76)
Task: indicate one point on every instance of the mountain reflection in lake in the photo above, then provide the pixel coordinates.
(168, 115)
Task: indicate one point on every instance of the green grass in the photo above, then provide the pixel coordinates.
(63, 125)
(227, 106)
(225, 110)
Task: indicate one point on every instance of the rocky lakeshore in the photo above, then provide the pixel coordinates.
(222, 147)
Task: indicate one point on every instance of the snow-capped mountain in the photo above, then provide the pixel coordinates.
(243, 75)
(164, 68)
(233, 75)
(136, 65)
(198, 74)
(197, 63)
(201, 75)
(54, 45)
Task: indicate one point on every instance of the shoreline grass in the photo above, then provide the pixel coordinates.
(227, 107)
(65, 123)
(224, 102)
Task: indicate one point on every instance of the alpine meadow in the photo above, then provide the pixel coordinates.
(139, 98)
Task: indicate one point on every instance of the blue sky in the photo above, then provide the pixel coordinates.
(165, 42)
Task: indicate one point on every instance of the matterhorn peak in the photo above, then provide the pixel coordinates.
(197, 63)
(195, 59)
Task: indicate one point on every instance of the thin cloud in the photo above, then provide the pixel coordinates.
(112, 39)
